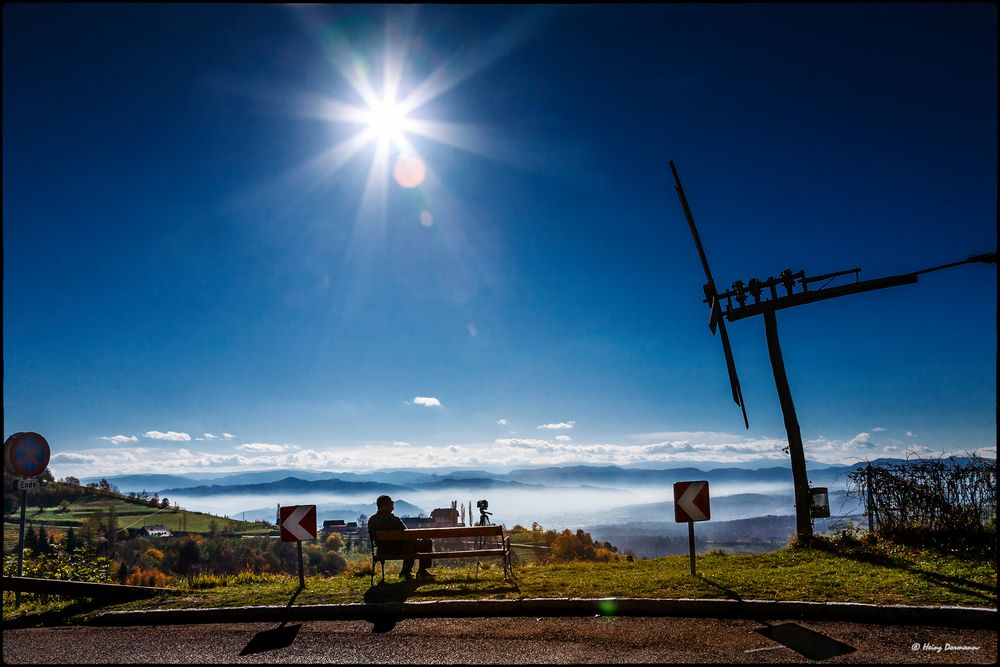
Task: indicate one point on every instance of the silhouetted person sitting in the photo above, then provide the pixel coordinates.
(384, 519)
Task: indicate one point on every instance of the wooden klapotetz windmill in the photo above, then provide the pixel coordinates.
(761, 297)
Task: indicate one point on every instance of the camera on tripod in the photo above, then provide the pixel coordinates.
(483, 514)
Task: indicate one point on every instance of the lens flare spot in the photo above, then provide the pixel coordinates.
(426, 219)
(607, 607)
(409, 171)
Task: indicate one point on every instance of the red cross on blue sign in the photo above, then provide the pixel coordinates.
(26, 454)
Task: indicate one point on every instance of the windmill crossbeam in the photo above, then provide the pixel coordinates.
(734, 314)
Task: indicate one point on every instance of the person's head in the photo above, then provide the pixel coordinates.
(384, 503)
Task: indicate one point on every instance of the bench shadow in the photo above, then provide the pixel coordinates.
(383, 620)
(384, 591)
(275, 638)
(401, 591)
(808, 643)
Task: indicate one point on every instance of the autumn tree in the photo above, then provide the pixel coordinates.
(334, 542)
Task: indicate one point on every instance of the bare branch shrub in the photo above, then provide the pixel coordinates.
(945, 502)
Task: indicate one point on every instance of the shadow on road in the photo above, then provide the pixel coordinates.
(809, 643)
(275, 638)
(269, 640)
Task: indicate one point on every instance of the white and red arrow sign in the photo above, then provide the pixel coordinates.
(298, 522)
(691, 502)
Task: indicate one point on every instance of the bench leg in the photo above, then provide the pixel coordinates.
(382, 562)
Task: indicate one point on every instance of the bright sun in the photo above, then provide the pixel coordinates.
(386, 120)
(384, 114)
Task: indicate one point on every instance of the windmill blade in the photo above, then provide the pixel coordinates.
(712, 296)
(694, 230)
(734, 379)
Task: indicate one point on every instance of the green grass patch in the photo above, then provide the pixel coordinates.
(129, 515)
(879, 574)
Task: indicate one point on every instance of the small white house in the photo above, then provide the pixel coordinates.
(157, 531)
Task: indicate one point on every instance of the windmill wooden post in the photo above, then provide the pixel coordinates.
(766, 301)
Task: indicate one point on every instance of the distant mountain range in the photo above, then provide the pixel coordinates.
(289, 485)
(390, 481)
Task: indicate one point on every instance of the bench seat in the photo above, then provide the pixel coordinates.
(500, 550)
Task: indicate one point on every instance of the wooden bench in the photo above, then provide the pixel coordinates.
(499, 545)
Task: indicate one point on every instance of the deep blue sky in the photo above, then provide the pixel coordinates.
(177, 263)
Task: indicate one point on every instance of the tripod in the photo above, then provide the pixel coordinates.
(484, 520)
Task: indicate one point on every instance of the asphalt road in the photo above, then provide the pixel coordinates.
(504, 640)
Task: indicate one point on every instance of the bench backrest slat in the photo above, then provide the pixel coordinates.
(441, 533)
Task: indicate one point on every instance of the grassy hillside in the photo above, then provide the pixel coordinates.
(130, 515)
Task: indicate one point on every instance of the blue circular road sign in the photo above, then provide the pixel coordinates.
(25, 454)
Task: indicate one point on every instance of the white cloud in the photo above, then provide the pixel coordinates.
(521, 442)
(427, 401)
(911, 434)
(860, 440)
(228, 436)
(120, 439)
(70, 457)
(877, 429)
(262, 447)
(500, 453)
(400, 443)
(563, 438)
(560, 425)
(211, 436)
(502, 421)
(169, 435)
(565, 452)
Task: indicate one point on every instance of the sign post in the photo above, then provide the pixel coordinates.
(298, 522)
(691, 503)
(20, 545)
(25, 455)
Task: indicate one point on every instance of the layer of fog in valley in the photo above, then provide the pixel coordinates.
(552, 507)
